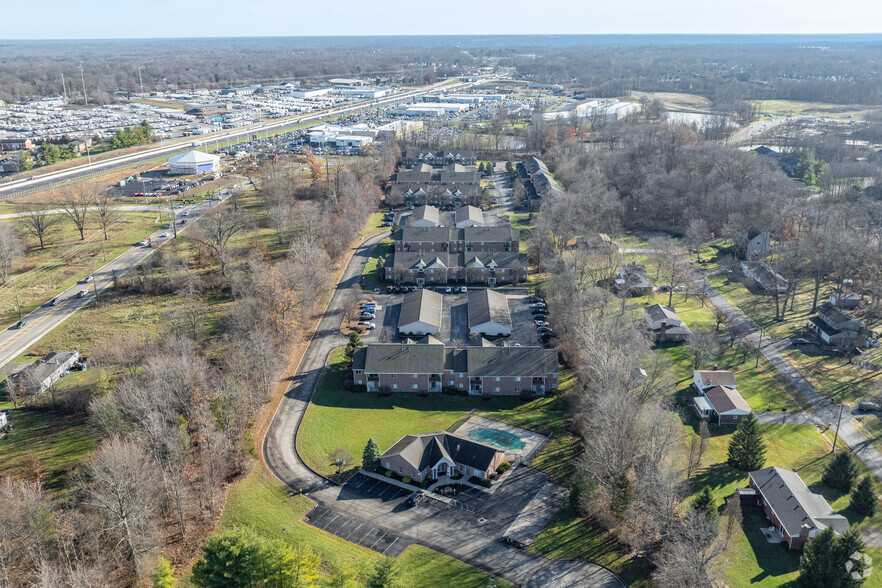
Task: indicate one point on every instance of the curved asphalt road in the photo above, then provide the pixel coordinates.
(482, 550)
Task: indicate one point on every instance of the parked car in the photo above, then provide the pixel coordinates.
(800, 341)
(415, 498)
(368, 326)
(463, 289)
(448, 290)
(82, 293)
(868, 406)
(396, 289)
(390, 289)
(679, 289)
(540, 323)
(87, 280)
(544, 331)
(539, 311)
(367, 316)
(539, 317)
(386, 224)
(538, 305)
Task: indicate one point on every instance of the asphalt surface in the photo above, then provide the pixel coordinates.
(13, 342)
(360, 514)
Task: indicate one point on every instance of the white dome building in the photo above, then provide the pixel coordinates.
(193, 162)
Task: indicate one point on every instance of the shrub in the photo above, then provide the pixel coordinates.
(385, 391)
(486, 396)
(388, 473)
(456, 475)
(503, 467)
(406, 479)
(475, 480)
(526, 394)
(486, 483)
(360, 388)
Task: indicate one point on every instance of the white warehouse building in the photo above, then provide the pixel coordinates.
(193, 162)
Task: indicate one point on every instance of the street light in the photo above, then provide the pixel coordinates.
(83, 78)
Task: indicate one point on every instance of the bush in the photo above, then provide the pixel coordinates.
(406, 479)
(526, 394)
(385, 391)
(456, 475)
(360, 388)
(475, 480)
(486, 483)
(503, 467)
(388, 473)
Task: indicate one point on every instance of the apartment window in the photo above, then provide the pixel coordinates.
(450, 382)
(359, 382)
(496, 379)
(399, 469)
(517, 378)
(413, 376)
(388, 465)
(496, 389)
(517, 389)
(415, 386)
(393, 376)
(395, 386)
(461, 386)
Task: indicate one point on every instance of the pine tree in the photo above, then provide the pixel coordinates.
(354, 343)
(480, 167)
(370, 459)
(818, 563)
(841, 473)
(25, 161)
(704, 503)
(747, 450)
(863, 497)
(384, 574)
(164, 575)
(622, 493)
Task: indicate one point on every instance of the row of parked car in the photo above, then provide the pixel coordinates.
(368, 314)
(440, 289)
(540, 317)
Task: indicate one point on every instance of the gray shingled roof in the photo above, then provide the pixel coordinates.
(487, 306)
(427, 213)
(400, 358)
(423, 306)
(793, 503)
(464, 213)
(427, 234)
(425, 450)
(491, 234)
(718, 378)
(511, 361)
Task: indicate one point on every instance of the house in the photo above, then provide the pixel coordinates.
(664, 325)
(787, 163)
(537, 181)
(420, 313)
(845, 300)
(468, 216)
(632, 278)
(8, 166)
(600, 241)
(489, 314)
(797, 514)
(838, 328)
(45, 372)
(425, 216)
(705, 379)
(764, 276)
(433, 455)
(722, 404)
(754, 242)
(477, 370)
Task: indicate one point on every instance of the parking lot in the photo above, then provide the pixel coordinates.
(454, 319)
(356, 530)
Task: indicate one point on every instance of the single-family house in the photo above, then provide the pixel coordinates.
(468, 216)
(837, 327)
(420, 313)
(704, 379)
(797, 514)
(441, 454)
(45, 372)
(764, 276)
(425, 216)
(632, 278)
(488, 313)
(722, 405)
(664, 325)
(845, 299)
(754, 242)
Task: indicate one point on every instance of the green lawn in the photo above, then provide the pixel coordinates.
(372, 277)
(262, 503)
(373, 226)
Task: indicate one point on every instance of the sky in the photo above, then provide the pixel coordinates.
(101, 19)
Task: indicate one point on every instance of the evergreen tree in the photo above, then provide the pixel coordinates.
(370, 459)
(480, 167)
(51, 153)
(354, 343)
(164, 575)
(863, 497)
(841, 473)
(25, 161)
(747, 450)
(622, 493)
(825, 560)
(704, 503)
(384, 574)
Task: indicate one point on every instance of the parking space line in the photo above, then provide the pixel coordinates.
(360, 525)
(390, 546)
(369, 531)
(378, 540)
(331, 521)
(361, 482)
(322, 514)
(372, 486)
(384, 491)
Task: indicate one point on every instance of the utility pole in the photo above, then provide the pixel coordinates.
(838, 422)
(83, 78)
(17, 304)
(140, 80)
(63, 87)
(759, 348)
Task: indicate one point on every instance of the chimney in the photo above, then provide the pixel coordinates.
(716, 367)
(662, 331)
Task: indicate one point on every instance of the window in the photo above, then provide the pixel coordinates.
(517, 378)
(393, 376)
(496, 379)
(388, 465)
(461, 386)
(413, 376)
(399, 469)
(395, 386)
(496, 389)
(415, 386)
(359, 382)
(517, 389)
(450, 382)
(357, 371)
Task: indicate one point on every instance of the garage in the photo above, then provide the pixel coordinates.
(488, 314)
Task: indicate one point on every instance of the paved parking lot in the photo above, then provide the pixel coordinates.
(356, 530)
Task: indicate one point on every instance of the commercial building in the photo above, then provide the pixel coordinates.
(441, 454)
(193, 162)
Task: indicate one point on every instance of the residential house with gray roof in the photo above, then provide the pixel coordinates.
(441, 454)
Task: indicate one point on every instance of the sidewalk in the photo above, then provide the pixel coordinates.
(825, 413)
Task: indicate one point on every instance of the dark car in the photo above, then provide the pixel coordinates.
(415, 498)
(544, 331)
(397, 289)
(390, 289)
(539, 317)
(540, 311)
(20, 325)
(800, 341)
(53, 302)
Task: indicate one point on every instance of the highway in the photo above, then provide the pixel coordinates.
(46, 180)
(13, 342)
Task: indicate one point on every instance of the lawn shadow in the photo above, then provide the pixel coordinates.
(718, 475)
(774, 559)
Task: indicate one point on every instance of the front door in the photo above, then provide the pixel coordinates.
(421, 281)
(442, 469)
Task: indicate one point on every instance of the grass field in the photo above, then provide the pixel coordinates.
(795, 108)
(682, 100)
(261, 503)
(371, 278)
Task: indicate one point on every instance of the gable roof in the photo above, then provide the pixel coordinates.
(657, 313)
(486, 306)
(725, 399)
(466, 213)
(421, 306)
(717, 378)
(426, 213)
(425, 450)
(793, 503)
(511, 361)
(400, 358)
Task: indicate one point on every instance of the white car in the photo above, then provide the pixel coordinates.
(463, 289)
(368, 326)
(87, 280)
(82, 293)
(163, 236)
(541, 324)
(185, 213)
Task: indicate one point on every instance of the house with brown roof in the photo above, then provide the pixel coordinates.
(665, 325)
(719, 400)
(441, 454)
(797, 514)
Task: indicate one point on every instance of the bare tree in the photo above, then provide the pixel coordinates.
(669, 264)
(106, 211)
(37, 220)
(340, 457)
(216, 229)
(27, 529)
(703, 348)
(685, 560)
(734, 518)
(75, 201)
(11, 250)
(121, 484)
